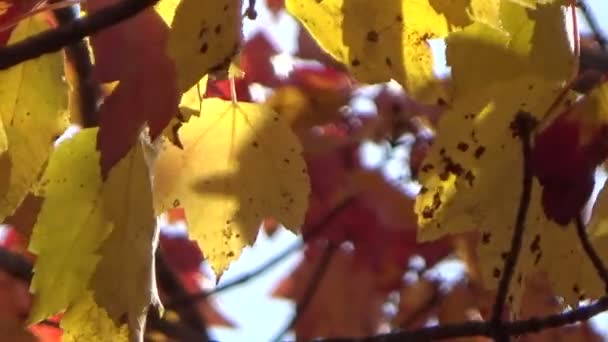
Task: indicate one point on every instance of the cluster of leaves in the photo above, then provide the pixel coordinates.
(505, 150)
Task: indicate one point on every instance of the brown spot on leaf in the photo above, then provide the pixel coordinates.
(355, 62)
(462, 146)
(479, 152)
(470, 177)
(485, 237)
(535, 245)
(372, 36)
(204, 48)
(496, 273)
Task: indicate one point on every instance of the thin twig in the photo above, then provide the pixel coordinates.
(593, 25)
(312, 233)
(522, 125)
(309, 294)
(470, 329)
(590, 251)
(55, 39)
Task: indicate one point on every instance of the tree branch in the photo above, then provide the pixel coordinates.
(68, 34)
(470, 329)
(523, 126)
(593, 25)
(308, 295)
(590, 251)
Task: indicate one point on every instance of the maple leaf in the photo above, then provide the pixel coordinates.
(133, 53)
(32, 99)
(347, 301)
(240, 163)
(381, 40)
(111, 228)
(205, 36)
(472, 176)
(86, 321)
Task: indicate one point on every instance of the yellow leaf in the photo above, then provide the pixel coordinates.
(104, 244)
(67, 244)
(378, 40)
(240, 164)
(189, 105)
(473, 174)
(123, 283)
(205, 36)
(85, 321)
(166, 10)
(33, 103)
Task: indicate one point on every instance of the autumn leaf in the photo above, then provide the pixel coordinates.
(346, 302)
(205, 36)
(473, 174)
(240, 163)
(85, 321)
(33, 105)
(133, 53)
(382, 40)
(110, 228)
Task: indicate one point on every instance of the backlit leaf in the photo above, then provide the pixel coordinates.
(33, 105)
(473, 174)
(85, 321)
(379, 40)
(110, 228)
(240, 164)
(205, 36)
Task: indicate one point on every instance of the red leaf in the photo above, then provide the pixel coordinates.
(275, 6)
(564, 158)
(133, 52)
(10, 12)
(255, 60)
(347, 301)
(182, 254)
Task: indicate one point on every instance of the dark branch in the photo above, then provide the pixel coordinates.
(15, 265)
(597, 262)
(68, 34)
(593, 25)
(523, 126)
(308, 295)
(78, 56)
(469, 329)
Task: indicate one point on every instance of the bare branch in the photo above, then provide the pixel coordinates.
(68, 34)
(523, 126)
(590, 251)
